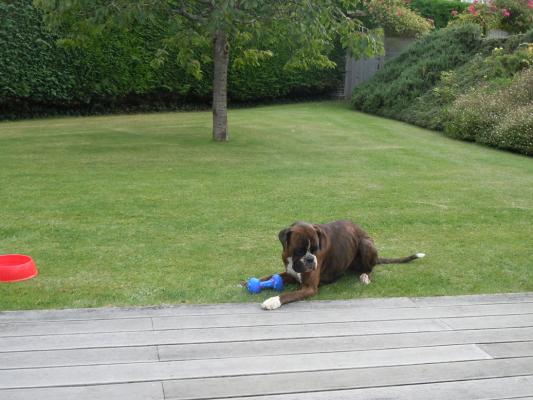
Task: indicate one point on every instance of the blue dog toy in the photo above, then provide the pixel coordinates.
(255, 285)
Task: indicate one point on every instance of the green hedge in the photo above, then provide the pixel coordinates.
(30, 64)
(114, 72)
(440, 11)
(393, 89)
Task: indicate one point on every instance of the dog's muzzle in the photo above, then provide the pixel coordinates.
(309, 262)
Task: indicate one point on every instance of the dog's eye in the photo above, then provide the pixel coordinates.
(313, 249)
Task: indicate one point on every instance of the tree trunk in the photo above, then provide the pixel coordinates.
(220, 87)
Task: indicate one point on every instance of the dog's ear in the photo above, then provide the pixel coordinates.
(284, 236)
(321, 237)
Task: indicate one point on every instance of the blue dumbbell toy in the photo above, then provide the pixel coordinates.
(255, 285)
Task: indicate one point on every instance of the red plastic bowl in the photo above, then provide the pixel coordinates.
(16, 267)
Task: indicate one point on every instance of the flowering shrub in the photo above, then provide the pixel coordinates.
(395, 18)
(500, 118)
(473, 113)
(511, 15)
(485, 15)
(492, 71)
(515, 132)
(517, 15)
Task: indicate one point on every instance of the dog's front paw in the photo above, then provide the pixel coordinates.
(271, 304)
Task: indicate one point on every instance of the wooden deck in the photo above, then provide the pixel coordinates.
(467, 347)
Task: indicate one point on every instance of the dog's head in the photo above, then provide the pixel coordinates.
(301, 244)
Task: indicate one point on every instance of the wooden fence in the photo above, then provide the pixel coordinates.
(359, 71)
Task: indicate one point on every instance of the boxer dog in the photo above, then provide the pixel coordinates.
(316, 254)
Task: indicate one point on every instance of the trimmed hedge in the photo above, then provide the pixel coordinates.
(115, 72)
(30, 64)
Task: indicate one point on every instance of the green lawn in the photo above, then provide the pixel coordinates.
(146, 209)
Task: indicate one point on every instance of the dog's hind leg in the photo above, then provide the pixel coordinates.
(365, 260)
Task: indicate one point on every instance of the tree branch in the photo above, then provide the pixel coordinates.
(200, 18)
(184, 13)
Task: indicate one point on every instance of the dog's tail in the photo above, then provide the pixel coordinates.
(400, 260)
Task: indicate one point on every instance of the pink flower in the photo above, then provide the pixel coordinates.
(506, 12)
(472, 10)
(530, 3)
(454, 12)
(475, 2)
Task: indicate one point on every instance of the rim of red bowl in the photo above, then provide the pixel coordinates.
(20, 260)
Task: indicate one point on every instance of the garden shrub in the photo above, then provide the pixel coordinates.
(493, 71)
(394, 88)
(514, 16)
(474, 90)
(395, 18)
(520, 18)
(440, 11)
(514, 133)
(501, 118)
(472, 113)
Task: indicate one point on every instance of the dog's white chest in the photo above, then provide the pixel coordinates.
(291, 271)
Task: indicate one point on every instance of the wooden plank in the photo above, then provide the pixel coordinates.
(59, 358)
(28, 359)
(196, 309)
(189, 389)
(110, 374)
(253, 308)
(346, 343)
(518, 398)
(501, 350)
(147, 338)
(124, 312)
(344, 315)
(502, 321)
(66, 327)
(131, 391)
(264, 318)
(481, 389)
(438, 301)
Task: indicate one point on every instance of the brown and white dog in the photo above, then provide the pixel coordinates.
(318, 254)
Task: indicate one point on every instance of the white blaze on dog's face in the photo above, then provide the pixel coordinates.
(291, 271)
